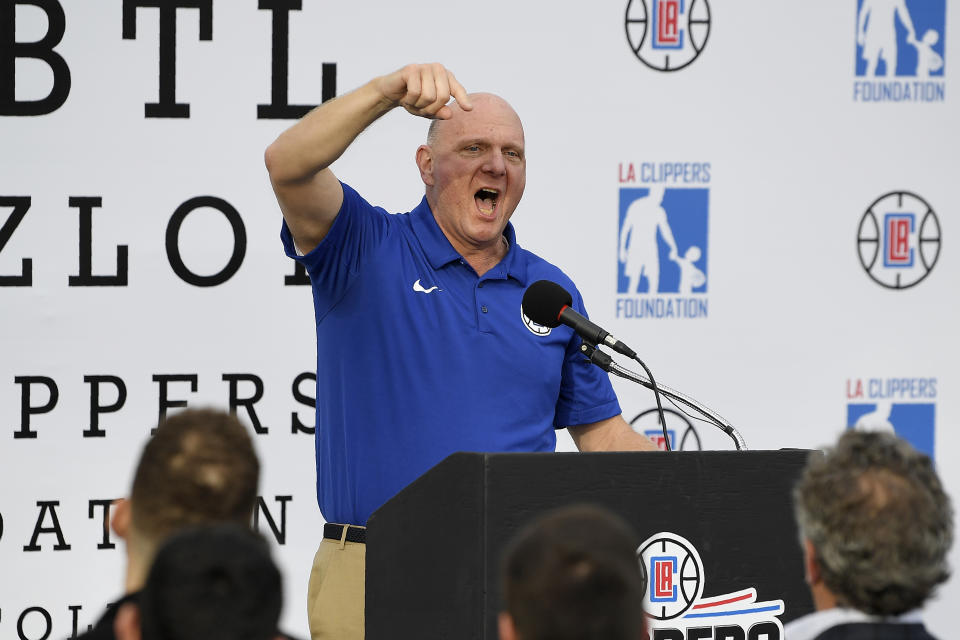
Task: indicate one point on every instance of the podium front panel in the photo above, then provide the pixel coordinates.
(434, 550)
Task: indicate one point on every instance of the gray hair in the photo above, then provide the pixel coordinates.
(879, 520)
(432, 132)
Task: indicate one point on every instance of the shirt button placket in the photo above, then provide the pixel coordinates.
(483, 309)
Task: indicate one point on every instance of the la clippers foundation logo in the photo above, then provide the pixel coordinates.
(667, 35)
(673, 598)
(903, 406)
(898, 240)
(662, 244)
(900, 51)
(648, 423)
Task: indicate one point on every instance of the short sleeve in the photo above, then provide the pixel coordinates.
(586, 394)
(356, 234)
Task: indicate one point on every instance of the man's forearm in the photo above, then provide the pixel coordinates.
(613, 434)
(298, 161)
(321, 136)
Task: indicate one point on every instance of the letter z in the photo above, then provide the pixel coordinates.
(20, 204)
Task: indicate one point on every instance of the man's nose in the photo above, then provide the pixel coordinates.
(494, 163)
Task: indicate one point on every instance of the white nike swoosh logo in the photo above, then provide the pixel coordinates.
(419, 287)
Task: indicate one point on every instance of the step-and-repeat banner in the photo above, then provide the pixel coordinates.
(756, 196)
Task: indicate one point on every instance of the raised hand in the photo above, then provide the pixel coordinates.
(424, 90)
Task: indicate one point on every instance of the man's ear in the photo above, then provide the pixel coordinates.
(126, 626)
(811, 565)
(425, 164)
(508, 631)
(120, 522)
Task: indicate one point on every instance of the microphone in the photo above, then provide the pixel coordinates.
(548, 304)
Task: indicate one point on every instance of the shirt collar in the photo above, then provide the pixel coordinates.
(440, 252)
(812, 625)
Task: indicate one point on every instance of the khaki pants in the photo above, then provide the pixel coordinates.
(335, 596)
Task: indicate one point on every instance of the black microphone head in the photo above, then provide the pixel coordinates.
(544, 300)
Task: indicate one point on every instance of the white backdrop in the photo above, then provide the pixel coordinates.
(793, 321)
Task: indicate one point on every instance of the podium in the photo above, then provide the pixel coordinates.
(434, 549)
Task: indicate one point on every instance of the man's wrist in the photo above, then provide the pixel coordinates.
(383, 102)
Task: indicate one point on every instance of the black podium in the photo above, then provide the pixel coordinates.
(434, 550)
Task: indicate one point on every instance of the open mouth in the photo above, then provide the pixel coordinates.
(486, 200)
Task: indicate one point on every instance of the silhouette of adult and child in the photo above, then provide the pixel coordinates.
(877, 35)
(639, 251)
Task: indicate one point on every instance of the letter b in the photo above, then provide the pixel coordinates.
(42, 50)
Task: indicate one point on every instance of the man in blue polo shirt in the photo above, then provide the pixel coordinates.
(422, 346)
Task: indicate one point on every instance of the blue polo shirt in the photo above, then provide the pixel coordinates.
(418, 357)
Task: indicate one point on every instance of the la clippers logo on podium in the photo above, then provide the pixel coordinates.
(673, 596)
(675, 575)
(898, 240)
(664, 589)
(667, 35)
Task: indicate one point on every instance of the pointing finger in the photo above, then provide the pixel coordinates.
(442, 95)
(458, 92)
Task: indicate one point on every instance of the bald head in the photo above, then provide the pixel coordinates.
(484, 105)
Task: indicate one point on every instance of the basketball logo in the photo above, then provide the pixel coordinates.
(672, 573)
(535, 329)
(673, 601)
(648, 423)
(667, 35)
(898, 240)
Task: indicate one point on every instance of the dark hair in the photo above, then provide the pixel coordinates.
(212, 583)
(199, 468)
(879, 520)
(574, 575)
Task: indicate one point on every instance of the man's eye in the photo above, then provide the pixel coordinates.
(473, 148)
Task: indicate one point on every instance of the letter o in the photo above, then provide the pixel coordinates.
(46, 619)
(173, 237)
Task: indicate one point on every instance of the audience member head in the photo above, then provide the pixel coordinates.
(207, 583)
(876, 525)
(198, 468)
(573, 574)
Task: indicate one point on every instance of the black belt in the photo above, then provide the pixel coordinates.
(354, 534)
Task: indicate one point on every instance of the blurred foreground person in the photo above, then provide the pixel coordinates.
(198, 468)
(208, 583)
(876, 527)
(573, 574)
